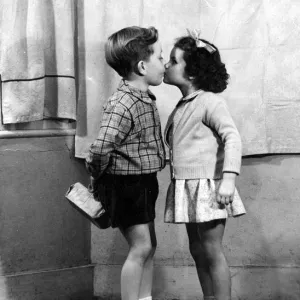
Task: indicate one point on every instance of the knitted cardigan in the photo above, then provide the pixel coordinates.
(205, 141)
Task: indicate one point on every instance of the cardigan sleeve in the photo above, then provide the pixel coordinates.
(218, 117)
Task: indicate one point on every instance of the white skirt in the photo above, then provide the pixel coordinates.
(194, 201)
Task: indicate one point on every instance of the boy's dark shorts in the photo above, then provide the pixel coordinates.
(129, 199)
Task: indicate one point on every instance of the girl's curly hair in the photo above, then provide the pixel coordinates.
(206, 69)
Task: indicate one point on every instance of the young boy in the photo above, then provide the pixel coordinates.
(124, 159)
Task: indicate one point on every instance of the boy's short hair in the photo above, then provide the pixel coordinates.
(126, 47)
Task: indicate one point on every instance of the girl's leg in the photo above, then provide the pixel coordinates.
(199, 257)
(147, 278)
(211, 235)
(140, 248)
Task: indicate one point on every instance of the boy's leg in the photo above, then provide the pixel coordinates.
(140, 247)
(147, 278)
(199, 257)
(211, 235)
(151, 190)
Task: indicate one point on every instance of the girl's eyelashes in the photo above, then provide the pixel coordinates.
(173, 60)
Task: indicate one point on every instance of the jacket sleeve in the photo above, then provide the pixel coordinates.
(218, 117)
(115, 126)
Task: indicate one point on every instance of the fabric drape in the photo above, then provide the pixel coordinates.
(37, 60)
(258, 41)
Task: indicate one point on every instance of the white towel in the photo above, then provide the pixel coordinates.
(37, 60)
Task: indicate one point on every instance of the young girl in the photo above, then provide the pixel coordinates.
(125, 158)
(205, 158)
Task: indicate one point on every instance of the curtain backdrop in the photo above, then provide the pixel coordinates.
(258, 40)
(37, 60)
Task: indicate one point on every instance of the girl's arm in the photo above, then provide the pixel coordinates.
(219, 119)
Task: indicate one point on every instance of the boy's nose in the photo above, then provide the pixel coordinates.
(166, 65)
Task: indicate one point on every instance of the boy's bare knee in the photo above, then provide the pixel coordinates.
(142, 252)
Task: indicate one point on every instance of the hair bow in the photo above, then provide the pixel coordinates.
(195, 34)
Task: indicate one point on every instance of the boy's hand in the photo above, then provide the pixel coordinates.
(91, 168)
(93, 185)
(226, 189)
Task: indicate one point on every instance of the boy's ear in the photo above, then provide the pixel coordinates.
(142, 69)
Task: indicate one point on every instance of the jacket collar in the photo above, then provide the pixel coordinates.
(189, 97)
(192, 95)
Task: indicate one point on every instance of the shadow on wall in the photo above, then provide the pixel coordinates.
(95, 80)
(257, 249)
(80, 68)
(262, 241)
(45, 245)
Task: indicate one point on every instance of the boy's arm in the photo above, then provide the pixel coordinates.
(115, 126)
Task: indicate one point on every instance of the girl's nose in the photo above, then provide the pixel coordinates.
(166, 65)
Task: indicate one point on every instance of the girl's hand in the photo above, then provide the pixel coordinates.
(226, 189)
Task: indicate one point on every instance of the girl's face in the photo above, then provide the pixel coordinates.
(175, 74)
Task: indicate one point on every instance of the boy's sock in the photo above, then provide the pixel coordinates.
(147, 298)
(209, 298)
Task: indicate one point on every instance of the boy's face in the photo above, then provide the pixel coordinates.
(175, 74)
(155, 66)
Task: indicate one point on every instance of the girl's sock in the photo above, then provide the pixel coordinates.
(209, 298)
